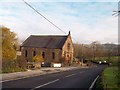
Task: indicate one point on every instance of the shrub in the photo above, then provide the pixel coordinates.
(9, 66)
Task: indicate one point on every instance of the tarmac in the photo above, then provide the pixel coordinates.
(32, 73)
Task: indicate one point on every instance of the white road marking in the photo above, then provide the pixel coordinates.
(90, 88)
(45, 84)
(70, 75)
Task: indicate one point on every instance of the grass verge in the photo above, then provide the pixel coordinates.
(109, 79)
(12, 69)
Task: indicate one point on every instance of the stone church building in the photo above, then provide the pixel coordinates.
(53, 48)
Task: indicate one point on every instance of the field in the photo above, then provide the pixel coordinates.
(113, 60)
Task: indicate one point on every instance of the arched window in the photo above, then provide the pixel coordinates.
(43, 54)
(34, 53)
(68, 46)
(53, 55)
(26, 53)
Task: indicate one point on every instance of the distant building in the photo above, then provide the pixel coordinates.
(53, 48)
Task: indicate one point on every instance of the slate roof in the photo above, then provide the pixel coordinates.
(51, 42)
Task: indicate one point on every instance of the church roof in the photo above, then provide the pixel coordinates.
(50, 41)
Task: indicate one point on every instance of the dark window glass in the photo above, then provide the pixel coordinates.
(68, 56)
(53, 55)
(34, 53)
(43, 54)
(68, 46)
(26, 53)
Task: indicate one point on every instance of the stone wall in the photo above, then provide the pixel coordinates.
(64, 55)
(67, 51)
(38, 51)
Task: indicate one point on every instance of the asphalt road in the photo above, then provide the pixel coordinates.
(79, 78)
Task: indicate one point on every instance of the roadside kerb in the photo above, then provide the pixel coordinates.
(32, 73)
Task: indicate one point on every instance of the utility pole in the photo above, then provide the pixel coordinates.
(94, 50)
(82, 55)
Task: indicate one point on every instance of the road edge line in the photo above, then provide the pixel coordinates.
(93, 83)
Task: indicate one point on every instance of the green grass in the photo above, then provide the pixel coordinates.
(110, 78)
(106, 58)
(12, 69)
(98, 85)
(10, 66)
(113, 60)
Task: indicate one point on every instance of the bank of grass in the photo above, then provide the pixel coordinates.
(109, 79)
(12, 69)
(10, 66)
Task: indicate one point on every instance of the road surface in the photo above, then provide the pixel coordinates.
(79, 78)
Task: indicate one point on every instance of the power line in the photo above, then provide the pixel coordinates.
(43, 16)
(46, 18)
(116, 13)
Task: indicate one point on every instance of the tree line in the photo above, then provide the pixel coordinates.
(96, 50)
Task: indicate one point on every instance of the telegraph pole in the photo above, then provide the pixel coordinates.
(82, 55)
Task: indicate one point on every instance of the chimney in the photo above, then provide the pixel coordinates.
(69, 33)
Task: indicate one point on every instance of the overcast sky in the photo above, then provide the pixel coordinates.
(88, 20)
